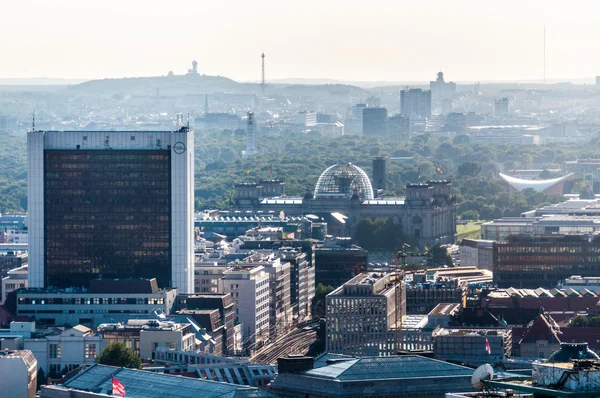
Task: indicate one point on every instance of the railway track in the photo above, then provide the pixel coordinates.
(297, 341)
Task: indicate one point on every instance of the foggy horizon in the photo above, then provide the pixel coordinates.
(384, 42)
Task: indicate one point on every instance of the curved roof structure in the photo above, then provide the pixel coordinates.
(538, 185)
(342, 181)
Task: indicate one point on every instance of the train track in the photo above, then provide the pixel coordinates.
(297, 341)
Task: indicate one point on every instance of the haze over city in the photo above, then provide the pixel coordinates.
(395, 41)
(280, 199)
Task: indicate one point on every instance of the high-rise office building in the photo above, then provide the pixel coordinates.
(364, 314)
(112, 205)
(501, 107)
(374, 121)
(440, 88)
(415, 103)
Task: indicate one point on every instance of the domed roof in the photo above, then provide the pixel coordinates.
(570, 351)
(342, 181)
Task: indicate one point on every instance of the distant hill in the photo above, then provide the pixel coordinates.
(166, 85)
(200, 84)
(39, 81)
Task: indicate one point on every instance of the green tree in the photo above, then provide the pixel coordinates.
(440, 256)
(586, 193)
(117, 354)
(579, 322)
(41, 378)
(318, 302)
(469, 169)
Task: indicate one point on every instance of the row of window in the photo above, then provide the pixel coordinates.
(55, 351)
(93, 300)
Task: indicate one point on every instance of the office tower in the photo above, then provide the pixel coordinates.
(374, 121)
(597, 80)
(249, 289)
(441, 89)
(399, 127)
(306, 118)
(353, 124)
(501, 107)
(415, 103)
(363, 315)
(379, 172)
(250, 147)
(526, 261)
(112, 205)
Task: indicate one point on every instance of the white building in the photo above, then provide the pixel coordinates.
(70, 349)
(144, 336)
(16, 279)
(18, 374)
(74, 306)
(18, 236)
(306, 118)
(249, 289)
(73, 174)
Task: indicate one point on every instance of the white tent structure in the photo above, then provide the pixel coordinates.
(538, 185)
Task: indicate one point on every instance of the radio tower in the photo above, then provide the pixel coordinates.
(262, 81)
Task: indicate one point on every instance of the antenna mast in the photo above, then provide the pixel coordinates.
(544, 54)
(262, 81)
(33, 121)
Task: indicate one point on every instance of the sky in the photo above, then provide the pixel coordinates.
(396, 40)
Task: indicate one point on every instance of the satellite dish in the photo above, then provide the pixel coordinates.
(484, 372)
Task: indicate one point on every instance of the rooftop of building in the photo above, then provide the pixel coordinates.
(414, 321)
(348, 369)
(105, 286)
(542, 293)
(471, 332)
(445, 309)
(143, 324)
(26, 355)
(142, 384)
(379, 283)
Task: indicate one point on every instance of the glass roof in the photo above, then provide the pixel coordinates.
(399, 367)
(142, 384)
(342, 181)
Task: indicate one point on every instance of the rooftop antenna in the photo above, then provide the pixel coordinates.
(33, 121)
(188, 120)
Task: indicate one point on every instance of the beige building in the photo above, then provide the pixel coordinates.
(18, 374)
(145, 336)
(364, 313)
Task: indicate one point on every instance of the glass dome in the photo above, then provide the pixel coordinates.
(342, 181)
(570, 351)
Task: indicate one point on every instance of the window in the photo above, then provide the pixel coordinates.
(54, 351)
(90, 351)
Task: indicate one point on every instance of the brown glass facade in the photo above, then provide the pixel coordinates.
(107, 213)
(532, 262)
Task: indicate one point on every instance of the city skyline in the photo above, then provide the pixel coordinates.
(312, 40)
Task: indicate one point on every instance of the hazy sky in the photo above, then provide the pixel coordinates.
(394, 40)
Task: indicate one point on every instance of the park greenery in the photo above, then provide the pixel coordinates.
(585, 322)
(300, 158)
(118, 354)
